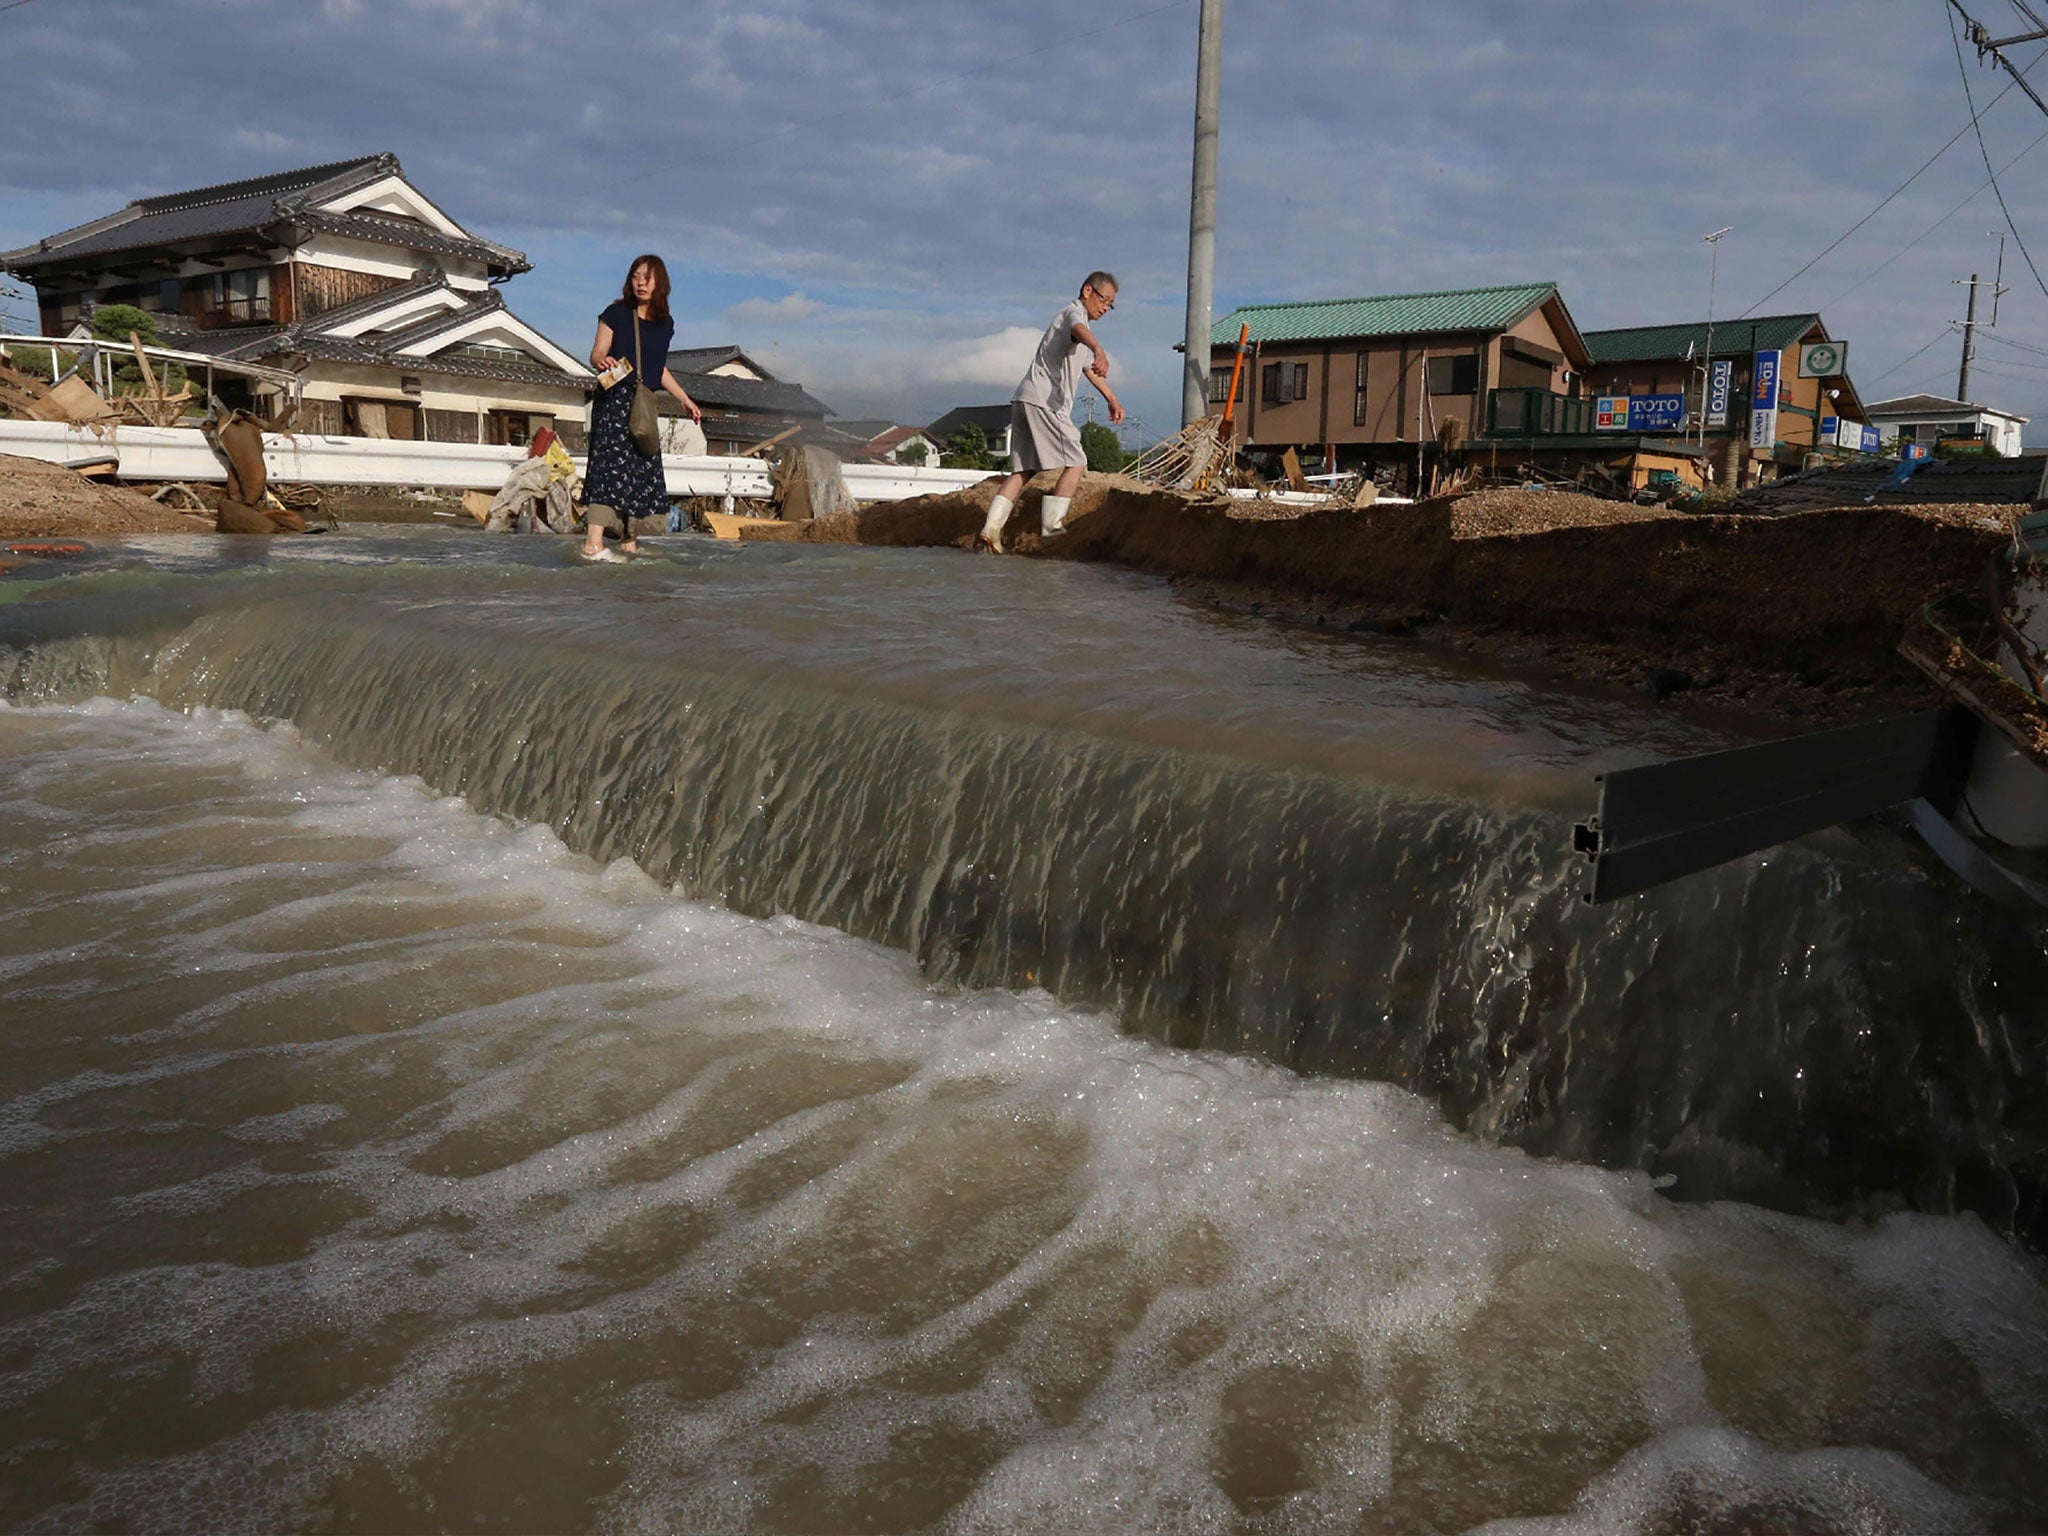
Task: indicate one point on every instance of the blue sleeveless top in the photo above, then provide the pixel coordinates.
(655, 337)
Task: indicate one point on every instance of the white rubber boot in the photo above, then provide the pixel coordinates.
(1052, 516)
(991, 536)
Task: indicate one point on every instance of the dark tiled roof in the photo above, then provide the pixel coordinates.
(766, 395)
(684, 360)
(993, 420)
(1932, 405)
(414, 236)
(314, 338)
(865, 428)
(1992, 482)
(1658, 343)
(255, 204)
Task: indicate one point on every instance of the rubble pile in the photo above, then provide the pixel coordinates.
(39, 499)
(1999, 484)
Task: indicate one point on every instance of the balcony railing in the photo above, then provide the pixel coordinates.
(1536, 413)
(252, 311)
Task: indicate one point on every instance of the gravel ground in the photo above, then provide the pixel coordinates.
(42, 500)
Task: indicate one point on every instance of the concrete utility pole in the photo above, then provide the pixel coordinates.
(1713, 242)
(1969, 342)
(1194, 394)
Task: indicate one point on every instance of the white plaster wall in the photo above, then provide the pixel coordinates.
(387, 261)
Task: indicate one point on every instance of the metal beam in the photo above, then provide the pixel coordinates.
(1667, 820)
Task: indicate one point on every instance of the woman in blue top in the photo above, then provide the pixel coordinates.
(620, 483)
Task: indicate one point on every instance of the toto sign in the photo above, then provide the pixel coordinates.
(1639, 413)
(1720, 385)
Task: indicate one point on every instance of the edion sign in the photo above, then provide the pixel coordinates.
(1763, 402)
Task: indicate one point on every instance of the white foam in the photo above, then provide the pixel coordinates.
(1153, 1288)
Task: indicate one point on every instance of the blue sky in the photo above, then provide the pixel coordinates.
(887, 201)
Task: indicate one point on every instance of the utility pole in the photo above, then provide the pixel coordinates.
(1969, 343)
(1707, 363)
(1194, 394)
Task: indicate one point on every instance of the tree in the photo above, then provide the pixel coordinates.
(912, 452)
(967, 449)
(1106, 455)
(113, 322)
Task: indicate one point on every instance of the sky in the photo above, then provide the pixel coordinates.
(888, 201)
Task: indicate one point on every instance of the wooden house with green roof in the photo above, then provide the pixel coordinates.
(1372, 378)
(1664, 360)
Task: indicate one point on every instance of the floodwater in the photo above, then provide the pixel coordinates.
(892, 1042)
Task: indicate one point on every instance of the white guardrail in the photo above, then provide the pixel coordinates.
(180, 453)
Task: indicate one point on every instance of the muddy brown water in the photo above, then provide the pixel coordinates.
(827, 1039)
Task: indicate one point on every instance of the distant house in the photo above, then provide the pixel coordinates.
(994, 421)
(345, 273)
(882, 439)
(1666, 362)
(744, 404)
(1368, 379)
(1930, 418)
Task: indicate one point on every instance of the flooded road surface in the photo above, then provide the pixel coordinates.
(371, 1162)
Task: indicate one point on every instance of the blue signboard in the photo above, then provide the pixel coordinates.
(1870, 440)
(1763, 402)
(1656, 413)
(1720, 385)
(1639, 413)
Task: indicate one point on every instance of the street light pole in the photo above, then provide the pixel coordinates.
(1707, 362)
(1194, 395)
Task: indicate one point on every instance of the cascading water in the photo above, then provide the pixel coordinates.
(448, 1138)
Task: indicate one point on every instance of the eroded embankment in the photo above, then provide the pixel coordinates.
(1816, 601)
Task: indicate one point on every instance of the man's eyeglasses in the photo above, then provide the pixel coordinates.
(1106, 303)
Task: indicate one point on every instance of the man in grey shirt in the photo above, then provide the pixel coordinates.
(1042, 431)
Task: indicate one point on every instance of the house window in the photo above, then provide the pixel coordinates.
(1283, 382)
(1219, 385)
(1358, 404)
(234, 298)
(515, 429)
(1454, 375)
(396, 419)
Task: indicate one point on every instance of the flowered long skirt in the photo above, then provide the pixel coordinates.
(617, 476)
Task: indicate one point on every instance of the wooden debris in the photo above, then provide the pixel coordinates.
(75, 400)
(732, 525)
(1185, 461)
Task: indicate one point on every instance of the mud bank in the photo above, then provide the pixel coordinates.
(39, 500)
(1798, 615)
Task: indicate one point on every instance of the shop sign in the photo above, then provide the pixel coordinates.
(1823, 359)
(1763, 400)
(1639, 413)
(1720, 385)
(1853, 435)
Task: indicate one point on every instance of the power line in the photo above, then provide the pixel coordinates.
(1888, 197)
(1930, 229)
(13, 5)
(1976, 122)
(2017, 346)
(1065, 41)
(1946, 330)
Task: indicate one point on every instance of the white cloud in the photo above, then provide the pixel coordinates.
(998, 360)
(783, 311)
